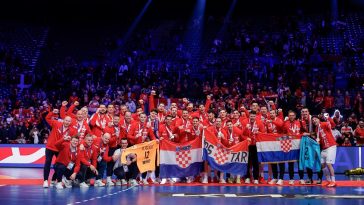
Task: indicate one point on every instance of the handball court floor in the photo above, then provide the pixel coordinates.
(24, 186)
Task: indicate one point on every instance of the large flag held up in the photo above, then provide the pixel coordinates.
(146, 155)
(233, 160)
(277, 148)
(180, 159)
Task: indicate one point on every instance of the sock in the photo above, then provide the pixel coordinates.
(333, 178)
(108, 179)
(327, 174)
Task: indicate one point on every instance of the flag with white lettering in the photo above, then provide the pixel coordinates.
(233, 160)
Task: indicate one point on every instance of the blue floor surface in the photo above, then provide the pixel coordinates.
(184, 195)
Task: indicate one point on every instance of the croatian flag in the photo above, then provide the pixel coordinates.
(233, 160)
(278, 148)
(180, 160)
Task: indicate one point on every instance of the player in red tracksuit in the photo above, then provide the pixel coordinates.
(68, 160)
(103, 158)
(202, 114)
(88, 158)
(237, 121)
(99, 121)
(189, 133)
(59, 130)
(78, 121)
(234, 136)
(114, 129)
(139, 133)
(210, 122)
(167, 131)
(221, 135)
(251, 128)
(125, 124)
(274, 125)
(184, 127)
(293, 127)
(328, 147)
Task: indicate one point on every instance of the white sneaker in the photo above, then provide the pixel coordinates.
(67, 183)
(45, 184)
(238, 180)
(118, 182)
(302, 182)
(145, 182)
(83, 185)
(247, 181)
(133, 182)
(291, 182)
(109, 183)
(222, 181)
(124, 182)
(205, 179)
(256, 181)
(99, 183)
(280, 182)
(189, 180)
(59, 185)
(164, 181)
(273, 181)
(175, 180)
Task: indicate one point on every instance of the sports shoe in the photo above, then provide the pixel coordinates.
(247, 181)
(67, 183)
(230, 180)
(309, 181)
(189, 180)
(83, 185)
(238, 180)
(145, 182)
(291, 182)
(280, 182)
(273, 181)
(222, 181)
(164, 181)
(331, 184)
(133, 182)
(174, 180)
(205, 179)
(262, 181)
(118, 183)
(109, 183)
(124, 182)
(319, 181)
(45, 184)
(59, 185)
(302, 182)
(99, 183)
(256, 181)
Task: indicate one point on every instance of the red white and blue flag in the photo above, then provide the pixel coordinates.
(180, 159)
(233, 160)
(277, 148)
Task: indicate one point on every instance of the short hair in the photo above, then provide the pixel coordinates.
(253, 112)
(154, 110)
(195, 118)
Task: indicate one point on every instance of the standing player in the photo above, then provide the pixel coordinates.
(328, 146)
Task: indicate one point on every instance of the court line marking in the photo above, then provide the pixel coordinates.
(105, 195)
(271, 196)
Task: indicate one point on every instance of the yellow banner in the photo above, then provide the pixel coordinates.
(146, 155)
